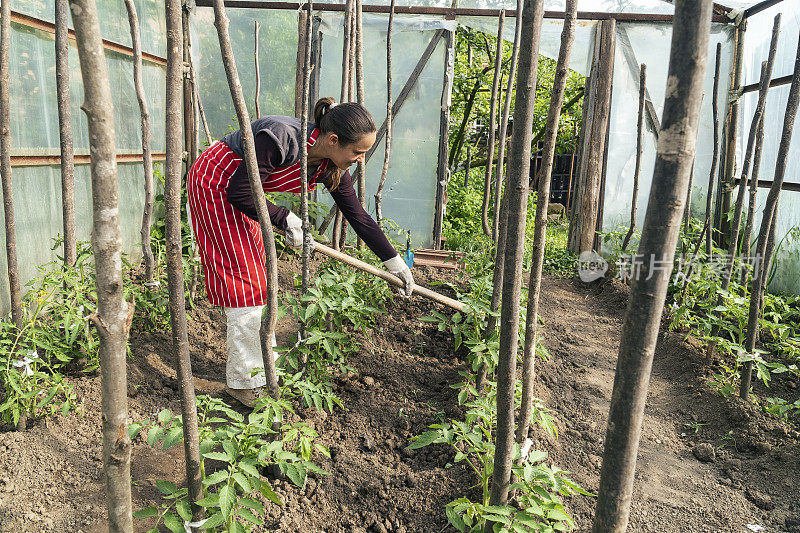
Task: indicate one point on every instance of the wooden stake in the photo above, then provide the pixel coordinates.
(256, 27)
(388, 149)
(677, 143)
(469, 165)
(147, 153)
(487, 180)
(306, 275)
(271, 313)
(199, 102)
(501, 150)
(639, 142)
(173, 173)
(5, 165)
(516, 201)
(345, 92)
(65, 131)
(361, 176)
(715, 154)
(751, 204)
(114, 314)
(767, 221)
(540, 230)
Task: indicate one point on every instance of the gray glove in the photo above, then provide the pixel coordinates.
(399, 268)
(294, 232)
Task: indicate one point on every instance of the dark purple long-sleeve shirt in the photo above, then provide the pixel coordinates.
(269, 157)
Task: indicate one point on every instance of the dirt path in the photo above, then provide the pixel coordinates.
(51, 478)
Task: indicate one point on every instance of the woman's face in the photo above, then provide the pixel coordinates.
(345, 155)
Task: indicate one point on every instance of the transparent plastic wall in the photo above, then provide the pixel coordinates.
(757, 37)
(581, 57)
(35, 131)
(409, 194)
(277, 58)
(650, 44)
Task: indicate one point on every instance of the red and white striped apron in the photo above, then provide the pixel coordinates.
(230, 243)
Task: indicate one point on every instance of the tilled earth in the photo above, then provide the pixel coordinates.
(51, 475)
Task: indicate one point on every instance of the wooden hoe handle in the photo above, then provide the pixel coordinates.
(388, 276)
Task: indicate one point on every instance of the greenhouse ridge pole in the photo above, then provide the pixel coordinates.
(516, 201)
(271, 257)
(147, 156)
(114, 315)
(65, 131)
(5, 165)
(675, 152)
(540, 230)
(176, 20)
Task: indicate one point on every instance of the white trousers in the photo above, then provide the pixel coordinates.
(244, 347)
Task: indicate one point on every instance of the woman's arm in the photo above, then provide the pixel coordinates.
(362, 223)
(240, 196)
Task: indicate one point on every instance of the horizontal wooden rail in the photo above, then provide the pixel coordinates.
(765, 184)
(49, 27)
(774, 82)
(450, 11)
(80, 159)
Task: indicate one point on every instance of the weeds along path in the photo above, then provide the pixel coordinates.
(51, 475)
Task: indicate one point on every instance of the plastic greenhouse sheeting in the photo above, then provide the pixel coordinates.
(409, 194)
(35, 131)
(757, 38)
(277, 60)
(649, 42)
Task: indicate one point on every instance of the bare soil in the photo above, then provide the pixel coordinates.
(51, 475)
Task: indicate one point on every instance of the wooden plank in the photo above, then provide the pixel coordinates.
(410, 83)
(80, 159)
(49, 27)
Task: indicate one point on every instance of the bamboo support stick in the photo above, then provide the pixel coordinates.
(540, 230)
(638, 167)
(65, 130)
(767, 221)
(677, 144)
(487, 180)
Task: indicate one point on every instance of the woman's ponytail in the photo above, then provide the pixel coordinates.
(349, 121)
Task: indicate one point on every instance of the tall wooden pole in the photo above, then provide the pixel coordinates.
(501, 149)
(271, 258)
(540, 230)
(361, 176)
(487, 180)
(677, 142)
(257, 67)
(5, 164)
(715, 155)
(306, 274)
(767, 222)
(65, 131)
(173, 167)
(114, 315)
(147, 153)
(517, 203)
(191, 137)
(638, 167)
(388, 146)
(751, 203)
